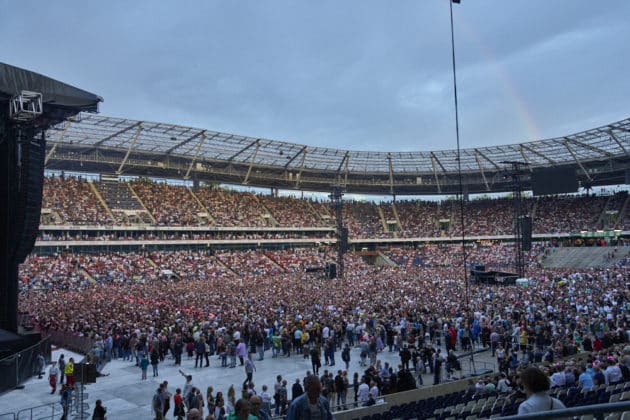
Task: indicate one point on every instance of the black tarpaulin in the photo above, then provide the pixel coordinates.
(13, 80)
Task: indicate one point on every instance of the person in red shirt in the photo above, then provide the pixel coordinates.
(597, 344)
(179, 405)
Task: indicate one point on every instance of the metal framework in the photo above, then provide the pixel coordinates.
(107, 145)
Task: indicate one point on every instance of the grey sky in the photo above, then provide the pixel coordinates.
(368, 75)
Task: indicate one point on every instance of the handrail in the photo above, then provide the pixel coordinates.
(573, 411)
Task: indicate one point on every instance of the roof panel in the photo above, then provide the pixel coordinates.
(109, 132)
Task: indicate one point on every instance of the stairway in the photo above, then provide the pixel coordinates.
(599, 223)
(622, 213)
(315, 212)
(99, 197)
(228, 269)
(142, 204)
(274, 262)
(581, 257)
(211, 219)
(383, 259)
(381, 215)
(87, 275)
(271, 219)
(400, 226)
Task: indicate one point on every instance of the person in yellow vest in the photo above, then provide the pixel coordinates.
(69, 372)
(305, 344)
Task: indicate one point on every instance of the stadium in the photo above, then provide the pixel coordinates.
(429, 281)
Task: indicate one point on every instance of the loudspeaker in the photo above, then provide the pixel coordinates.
(554, 180)
(343, 239)
(30, 155)
(331, 270)
(526, 233)
(85, 373)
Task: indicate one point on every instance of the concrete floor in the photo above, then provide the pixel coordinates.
(126, 396)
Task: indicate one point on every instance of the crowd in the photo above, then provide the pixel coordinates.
(74, 201)
(231, 208)
(82, 235)
(170, 205)
(290, 211)
(232, 303)
(565, 214)
(124, 205)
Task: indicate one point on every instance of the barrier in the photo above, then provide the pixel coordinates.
(20, 366)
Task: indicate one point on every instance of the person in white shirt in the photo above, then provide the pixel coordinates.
(363, 394)
(613, 373)
(374, 390)
(536, 384)
(558, 380)
(503, 386)
(53, 372)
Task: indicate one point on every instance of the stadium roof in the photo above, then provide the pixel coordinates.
(96, 143)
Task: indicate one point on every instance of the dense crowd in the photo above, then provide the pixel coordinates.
(171, 205)
(261, 291)
(83, 235)
(231, 303)
(75, 202)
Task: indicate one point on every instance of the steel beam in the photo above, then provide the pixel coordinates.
(251, 162)
(619, 143)
(589, 147)
(566, 144)
(302, 150)
(299, 174)
(129, 149)
(244, 149)
(182, 143)
(391, 174)
(345, 157)
(477, 151)
(439, 163)
(437, 181)
(197, 152)
(54, 147)
(116, 134)
(529, 165)
(537, 153)
(483, 175)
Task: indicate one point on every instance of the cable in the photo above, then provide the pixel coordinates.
(459, 159)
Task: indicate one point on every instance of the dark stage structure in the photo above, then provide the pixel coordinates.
(30, 103)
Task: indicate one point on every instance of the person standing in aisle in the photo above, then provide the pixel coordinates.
(52, 376)
(250, 368)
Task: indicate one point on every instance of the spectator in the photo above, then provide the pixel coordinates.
(536, 384)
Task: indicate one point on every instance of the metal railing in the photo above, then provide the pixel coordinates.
(598, 411)
(20, 366)
(71, 342)
(51, 410)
